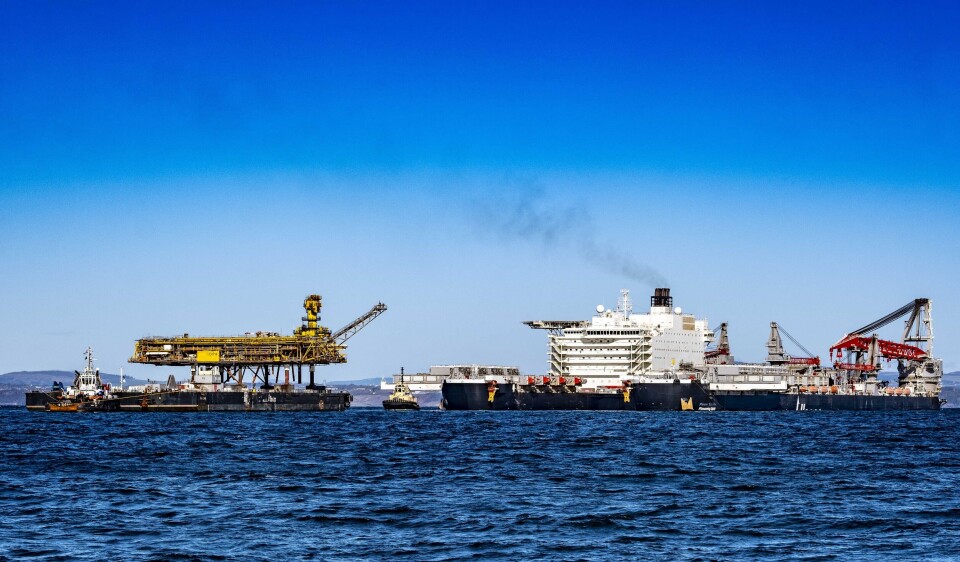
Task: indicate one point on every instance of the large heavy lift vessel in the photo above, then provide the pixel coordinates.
(669, 360)
(219, 366)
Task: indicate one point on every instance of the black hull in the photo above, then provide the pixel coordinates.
(194, 401)
(645, 396)
(400, 405)
(827, 402)
(664, 397)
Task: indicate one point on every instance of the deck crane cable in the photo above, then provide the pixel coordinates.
(795, 342)
(900, 312)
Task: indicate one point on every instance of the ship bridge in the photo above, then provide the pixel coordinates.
(262, 354)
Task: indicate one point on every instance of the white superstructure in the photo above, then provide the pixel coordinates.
(613, 347)
(618, 345)
(433, 380)
(88, 382)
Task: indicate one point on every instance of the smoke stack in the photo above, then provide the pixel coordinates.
(661, 297)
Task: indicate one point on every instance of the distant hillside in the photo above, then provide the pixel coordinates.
(46, 378)
(361, 382)
(948, 378)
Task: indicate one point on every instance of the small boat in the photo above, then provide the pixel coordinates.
(86, 394)
(63, 407)
(402, 398)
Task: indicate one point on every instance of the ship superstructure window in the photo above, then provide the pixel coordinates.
(619, 342)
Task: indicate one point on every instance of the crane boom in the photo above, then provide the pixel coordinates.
(912, 307)
(345, 333)
(888, 349)
(798, 344)
(867, 350)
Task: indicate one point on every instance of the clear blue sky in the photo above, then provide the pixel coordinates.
(181, 167)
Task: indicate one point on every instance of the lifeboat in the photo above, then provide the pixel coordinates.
(898, 392)
(834, 390)
(906, 391)
(63, 407)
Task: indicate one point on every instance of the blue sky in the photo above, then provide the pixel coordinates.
(176, 167)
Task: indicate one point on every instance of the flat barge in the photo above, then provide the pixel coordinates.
(319, 400)
(218, 365)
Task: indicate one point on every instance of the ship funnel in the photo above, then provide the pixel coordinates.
(661, 297)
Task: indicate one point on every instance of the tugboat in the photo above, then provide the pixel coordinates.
(87, 393)
(402, 398)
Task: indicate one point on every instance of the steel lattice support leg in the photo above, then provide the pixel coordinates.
(266, 378)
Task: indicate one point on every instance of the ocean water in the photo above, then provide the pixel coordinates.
(369, 484)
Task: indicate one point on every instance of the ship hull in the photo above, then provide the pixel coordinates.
(642, 397)
(202, 401)
(785, 401)
(664, 397)
(400, 405)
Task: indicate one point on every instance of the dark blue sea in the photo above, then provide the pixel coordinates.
(369, 484)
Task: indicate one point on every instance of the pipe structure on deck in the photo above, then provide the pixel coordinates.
(261, 354)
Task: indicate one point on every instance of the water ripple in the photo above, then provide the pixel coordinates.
(367, 484)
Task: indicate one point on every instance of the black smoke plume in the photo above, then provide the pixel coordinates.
(525, 213)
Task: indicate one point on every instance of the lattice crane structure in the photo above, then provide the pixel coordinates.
(264, 355)
(860, 352)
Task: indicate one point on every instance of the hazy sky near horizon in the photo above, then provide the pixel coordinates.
(177, 168)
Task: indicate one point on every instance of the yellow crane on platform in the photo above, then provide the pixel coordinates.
(263, 354)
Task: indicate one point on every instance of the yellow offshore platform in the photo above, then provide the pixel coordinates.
(263, 354)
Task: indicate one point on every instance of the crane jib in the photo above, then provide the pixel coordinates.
(345, 333)
(896, 314)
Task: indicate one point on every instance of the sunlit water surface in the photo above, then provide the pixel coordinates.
(369, 484)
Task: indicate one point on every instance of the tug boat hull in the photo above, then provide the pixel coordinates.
(400, 405)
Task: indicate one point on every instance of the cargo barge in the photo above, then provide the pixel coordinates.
(200, 401)
(89, 394)
(218, 367)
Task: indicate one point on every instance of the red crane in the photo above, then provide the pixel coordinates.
(866, 351)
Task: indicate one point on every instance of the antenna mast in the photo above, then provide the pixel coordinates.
(625, 304)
